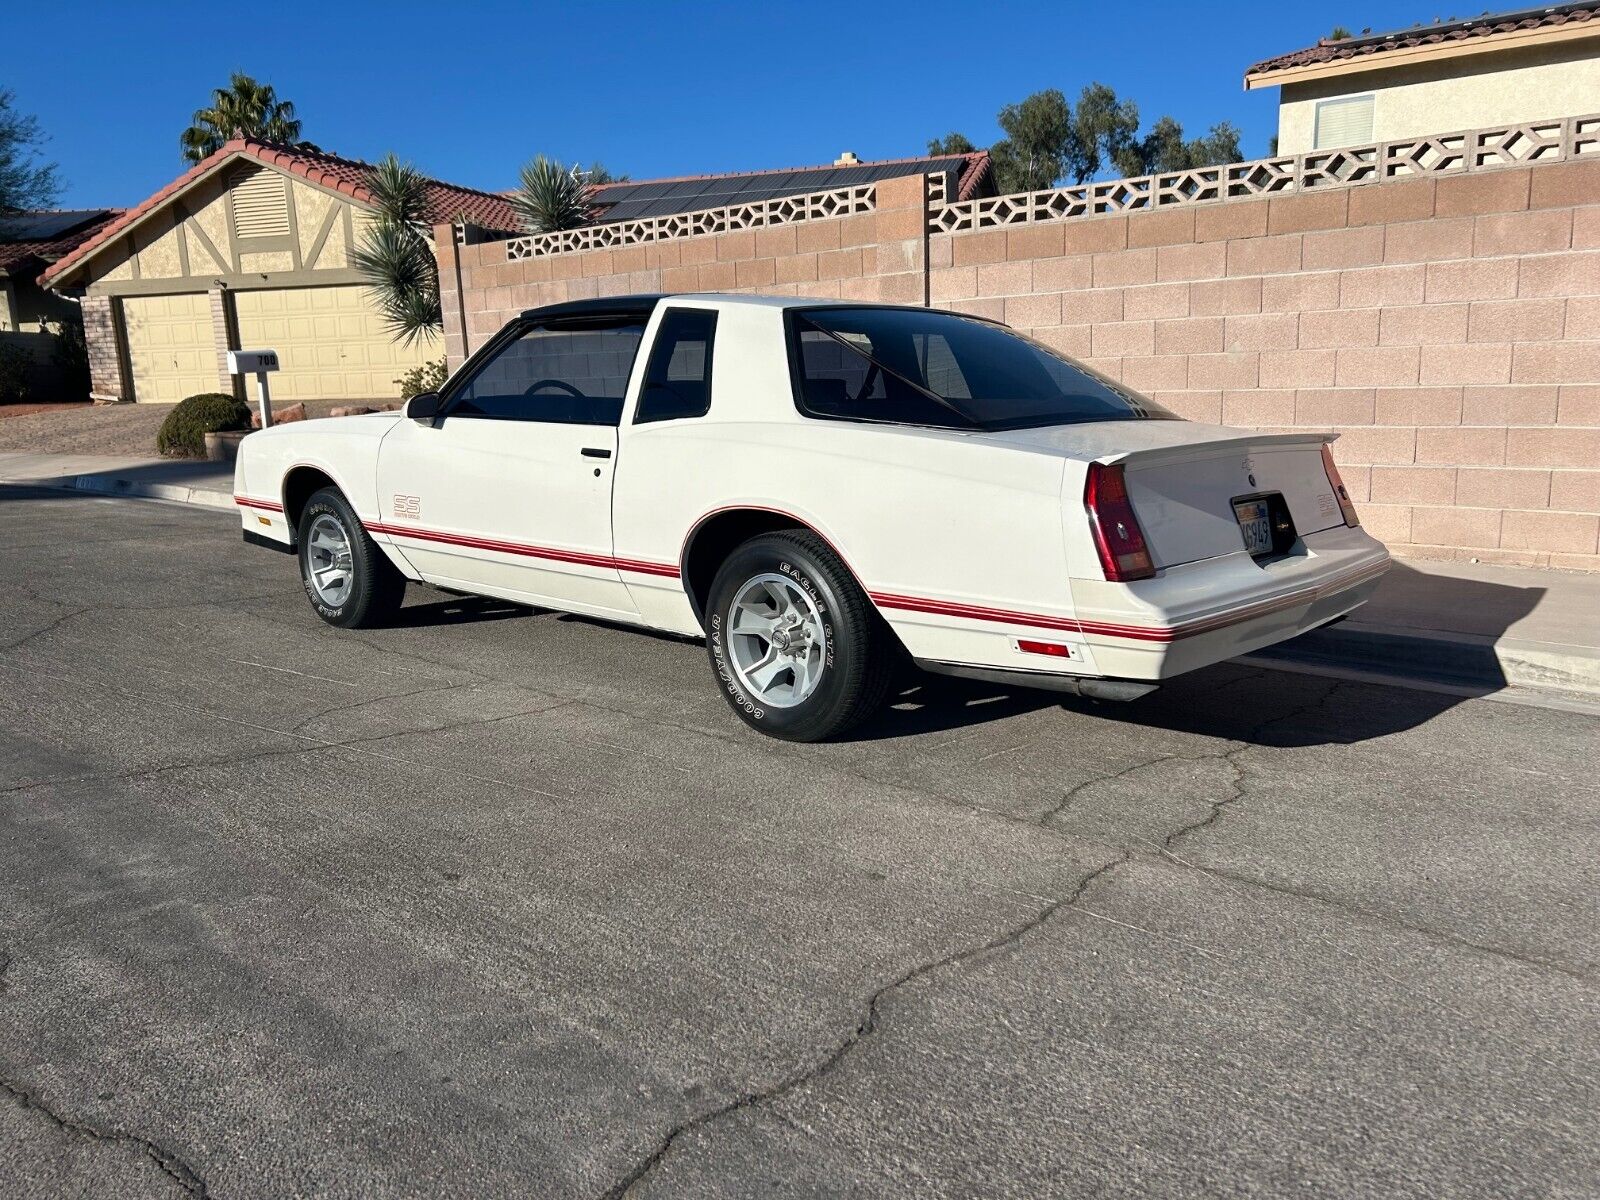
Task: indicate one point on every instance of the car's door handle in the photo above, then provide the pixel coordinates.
(595, 452)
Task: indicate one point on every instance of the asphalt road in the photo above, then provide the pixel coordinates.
(506, 903)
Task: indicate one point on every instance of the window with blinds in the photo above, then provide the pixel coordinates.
(260, 205)
(1346, 121)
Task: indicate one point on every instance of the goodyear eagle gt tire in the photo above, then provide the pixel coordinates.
(797, 648)
(347, 578)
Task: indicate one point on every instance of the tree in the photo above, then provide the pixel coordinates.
(244, 108)
(950, 143)
(550, 197)
(394, 255)
(1039, 136)
(1164, 149)
(25, 182)
(1104, 129)
(1047, 141)
(1339, 34)
(597, 175)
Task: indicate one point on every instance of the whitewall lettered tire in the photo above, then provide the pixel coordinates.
(347, 578)
(797, 648)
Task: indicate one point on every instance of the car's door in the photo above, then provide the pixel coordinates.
(508, 491)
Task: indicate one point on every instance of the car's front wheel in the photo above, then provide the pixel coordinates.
(798, 649)
(347, 578)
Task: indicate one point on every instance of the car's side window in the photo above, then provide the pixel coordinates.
(678, 381)
(564, 372)
(840, 381)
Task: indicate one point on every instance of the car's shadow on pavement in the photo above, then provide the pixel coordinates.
(457, 610)
(1230, 701)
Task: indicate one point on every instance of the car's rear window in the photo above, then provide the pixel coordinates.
(918, 367)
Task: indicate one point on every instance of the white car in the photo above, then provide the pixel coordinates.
(820, 490)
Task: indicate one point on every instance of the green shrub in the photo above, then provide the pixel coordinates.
(183, 433)
(429, 377)
(16, 366)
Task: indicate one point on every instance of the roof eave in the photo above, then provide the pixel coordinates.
(59, 275)
(1515, 39)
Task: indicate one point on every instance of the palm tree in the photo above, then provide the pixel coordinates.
(551, 197)
(394, 255)
(244, 108)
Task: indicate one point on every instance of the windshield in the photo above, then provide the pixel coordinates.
(919, 367)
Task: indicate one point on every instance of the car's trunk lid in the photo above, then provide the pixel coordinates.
(1184, 480)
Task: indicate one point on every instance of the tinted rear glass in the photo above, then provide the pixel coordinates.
(916, 367)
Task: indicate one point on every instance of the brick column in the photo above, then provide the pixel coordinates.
(448, 256)
(902, 236)
(225, 336)
(107, 379)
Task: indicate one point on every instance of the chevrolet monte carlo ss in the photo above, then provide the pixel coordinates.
(820, 490)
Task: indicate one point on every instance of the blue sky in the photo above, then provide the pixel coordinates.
(650, 89)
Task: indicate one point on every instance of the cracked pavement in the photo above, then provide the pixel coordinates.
(498, 902)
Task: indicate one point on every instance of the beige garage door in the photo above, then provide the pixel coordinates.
(331, 344)
(170, 346)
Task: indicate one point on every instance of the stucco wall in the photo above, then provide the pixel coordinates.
(1447, 329)
(1476, 91)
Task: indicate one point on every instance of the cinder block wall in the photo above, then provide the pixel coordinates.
(1448, 329)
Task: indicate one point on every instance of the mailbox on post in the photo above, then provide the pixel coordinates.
(257, 363)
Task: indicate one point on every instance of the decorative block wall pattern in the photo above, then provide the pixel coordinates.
(1439, 154)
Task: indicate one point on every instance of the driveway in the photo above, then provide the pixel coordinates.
(504, 903)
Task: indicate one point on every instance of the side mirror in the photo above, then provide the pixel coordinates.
(424, 406)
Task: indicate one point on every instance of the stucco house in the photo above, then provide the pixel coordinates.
(1496, 69)
(251, 247)
(29, 314)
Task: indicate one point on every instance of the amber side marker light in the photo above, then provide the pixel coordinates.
(1053, 649)
(1117, 536)
(1337, 484)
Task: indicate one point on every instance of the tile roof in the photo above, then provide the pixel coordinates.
(1376, 45)
(638, 198)
(34, 238)
(447, 201)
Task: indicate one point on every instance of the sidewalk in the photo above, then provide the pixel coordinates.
(1455, 627)
(188, 481)
(1464, 627)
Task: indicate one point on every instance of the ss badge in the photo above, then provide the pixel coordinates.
(409, 507)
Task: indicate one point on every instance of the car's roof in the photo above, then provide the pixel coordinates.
(645, 302)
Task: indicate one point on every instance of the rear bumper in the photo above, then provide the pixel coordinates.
(1188, 617)
(1202, 613)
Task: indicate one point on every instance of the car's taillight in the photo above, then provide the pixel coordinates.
(1337, 484)
(1117, 535)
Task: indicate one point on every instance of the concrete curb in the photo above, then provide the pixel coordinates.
(1468, 662)
(100, 485)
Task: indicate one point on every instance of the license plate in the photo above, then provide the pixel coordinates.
(1255, 524)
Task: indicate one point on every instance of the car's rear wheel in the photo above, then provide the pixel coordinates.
(798, 649)
(347, 578)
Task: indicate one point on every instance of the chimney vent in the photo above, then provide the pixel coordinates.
(847, 159)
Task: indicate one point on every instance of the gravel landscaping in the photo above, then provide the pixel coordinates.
(114, 429)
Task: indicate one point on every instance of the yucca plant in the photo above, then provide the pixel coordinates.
(550, 197)
(394, 255)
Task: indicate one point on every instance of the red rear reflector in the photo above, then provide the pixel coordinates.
(1117, 536)
(1337, 484)
(1051, 648)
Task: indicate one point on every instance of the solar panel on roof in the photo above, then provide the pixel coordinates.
(630, 202)
(44, 226)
